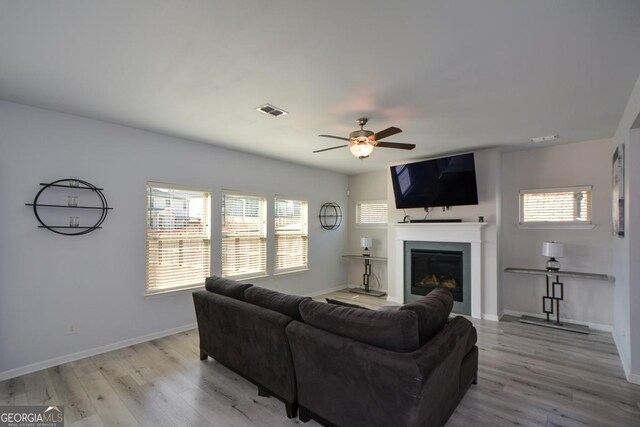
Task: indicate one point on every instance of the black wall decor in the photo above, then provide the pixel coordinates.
(330, 216)
(76, 186)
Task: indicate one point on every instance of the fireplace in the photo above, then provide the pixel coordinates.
(463, 236)
(432, 269)
(430, 265)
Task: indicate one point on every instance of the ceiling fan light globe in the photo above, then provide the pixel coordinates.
(361, 150)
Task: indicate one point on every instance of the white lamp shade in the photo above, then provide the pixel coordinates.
(552, 249)
(366, 242)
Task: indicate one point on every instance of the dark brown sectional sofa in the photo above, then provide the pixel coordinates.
(342, 366)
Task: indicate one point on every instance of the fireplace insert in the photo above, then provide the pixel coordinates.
(432, 269)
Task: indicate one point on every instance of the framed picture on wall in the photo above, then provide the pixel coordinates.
(618, 191)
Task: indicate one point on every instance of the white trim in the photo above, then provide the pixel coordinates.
(556, 226)
(173, 291)
(373, 225)
(170, 186)
(594, 326)
(492, 317)
(248, 276)
(575, 189)
(23, 370)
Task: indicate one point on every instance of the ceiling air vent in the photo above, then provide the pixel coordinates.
(270, 109)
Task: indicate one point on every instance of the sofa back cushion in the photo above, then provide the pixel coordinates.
(396, 331)
(432, 311)
(276, 301)
(344, 304)
(227, 287)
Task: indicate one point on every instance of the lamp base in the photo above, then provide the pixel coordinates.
(553, 264)
(365, 292)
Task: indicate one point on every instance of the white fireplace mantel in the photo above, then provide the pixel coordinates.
(456, 232)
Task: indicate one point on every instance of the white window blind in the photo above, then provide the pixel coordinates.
(178, 237)
(244, 235)
(291, 235)
(371, 212)
(570, 206)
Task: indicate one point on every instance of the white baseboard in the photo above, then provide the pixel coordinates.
(492, 317)
(594, 326)
(23, 370)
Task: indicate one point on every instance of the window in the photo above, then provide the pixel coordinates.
(291, 233)
(372, 212)
(556, 206)
(178, 238)
(244, 235)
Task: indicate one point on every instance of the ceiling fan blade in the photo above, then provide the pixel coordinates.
(387, 132)
(399, 145)
(332, 148)
(335, 137)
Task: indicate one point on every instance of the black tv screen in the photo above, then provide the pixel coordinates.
(448, 181)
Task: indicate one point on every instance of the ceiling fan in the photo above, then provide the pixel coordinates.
(362, 142)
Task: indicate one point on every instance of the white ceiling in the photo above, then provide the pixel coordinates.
(453, 75)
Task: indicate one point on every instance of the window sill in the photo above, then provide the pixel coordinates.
(558, 226)
(283, 273)
(252, 276)
(380, 225)
(174, 291)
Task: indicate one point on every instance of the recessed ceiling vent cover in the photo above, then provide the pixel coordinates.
(270, 109)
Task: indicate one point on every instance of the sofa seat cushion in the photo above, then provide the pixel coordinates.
(432, 312)
(227, 287)
(396, 331)
(276, 301)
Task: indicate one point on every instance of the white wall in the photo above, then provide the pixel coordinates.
(370, 186)
(626, 250)
(579, 164)
(487, 176)
(96, 282)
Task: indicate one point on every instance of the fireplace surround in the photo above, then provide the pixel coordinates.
(465, 232)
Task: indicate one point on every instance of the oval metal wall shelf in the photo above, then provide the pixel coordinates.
(66, 229)
(330, 216)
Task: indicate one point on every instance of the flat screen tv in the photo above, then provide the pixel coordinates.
(447, 181)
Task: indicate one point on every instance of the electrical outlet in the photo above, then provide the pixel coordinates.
(71, 329)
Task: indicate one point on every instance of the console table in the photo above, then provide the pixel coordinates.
(555, 292)
(367, 272)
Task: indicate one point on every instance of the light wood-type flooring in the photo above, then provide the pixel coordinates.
(528, 376)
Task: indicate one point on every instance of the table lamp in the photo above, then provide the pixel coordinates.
(553, 250)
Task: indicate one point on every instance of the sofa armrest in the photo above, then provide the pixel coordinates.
(247, 338)
(439, 363)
